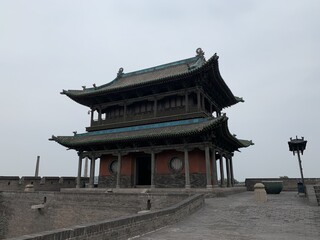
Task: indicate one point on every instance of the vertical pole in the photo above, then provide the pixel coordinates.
(208, 168)
(79, 171)
(214, 167)
(301, 172)
(221, 171)
(118, 170)
(186, 168)
(152, 169)
(36, 174)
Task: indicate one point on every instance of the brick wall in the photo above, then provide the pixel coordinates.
(164, 176)
(125, 227)
(317, 193)
(63, 210)
(289, 184)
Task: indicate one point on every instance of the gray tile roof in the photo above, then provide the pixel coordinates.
(144, 76)
(183, 130)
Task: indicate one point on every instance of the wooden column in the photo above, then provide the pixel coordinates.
(152, 168)
(231, 172)
(92, 168)
(228, 172)
(125, 111)
(186, 168)
(92, 112)
(214, 167)
(118, 170)
(199, 100)
(203, 101)
(187, 101)
(79, 170)
(155, 107)
(221, 170)
(208, 168)
(99, 115)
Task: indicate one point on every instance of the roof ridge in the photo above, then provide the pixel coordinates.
(121, 74)
(162, 66)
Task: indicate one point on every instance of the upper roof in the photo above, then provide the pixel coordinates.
(144, 76)
(163, 73)
(165, 130)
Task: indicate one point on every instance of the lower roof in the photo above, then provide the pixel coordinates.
(158, 131)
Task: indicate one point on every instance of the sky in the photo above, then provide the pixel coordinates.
(269, 54)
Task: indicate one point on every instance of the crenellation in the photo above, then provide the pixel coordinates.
(15, 183)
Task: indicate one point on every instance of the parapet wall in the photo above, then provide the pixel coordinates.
(63, 210)
(125, 227)
(289, 184)
(13, 183)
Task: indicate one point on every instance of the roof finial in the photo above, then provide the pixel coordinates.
(199, 52)
(120, 72)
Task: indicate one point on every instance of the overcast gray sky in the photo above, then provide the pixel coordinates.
(269, 55)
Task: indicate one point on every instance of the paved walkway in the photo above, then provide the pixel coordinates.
(284, 216)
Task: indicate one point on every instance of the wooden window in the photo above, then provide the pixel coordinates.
(175, 164)
(113, 167)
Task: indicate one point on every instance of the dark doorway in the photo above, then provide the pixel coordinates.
(143, 170)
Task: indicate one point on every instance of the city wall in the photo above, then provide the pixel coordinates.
(289, 184)
(24, 213)
(13, 183)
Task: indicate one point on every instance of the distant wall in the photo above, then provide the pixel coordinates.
(63, 210)
(13, 183)
(125, 227)
(289, 184)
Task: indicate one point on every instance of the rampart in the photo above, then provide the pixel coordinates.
(13, 183)
(24, 213)
(289, 184)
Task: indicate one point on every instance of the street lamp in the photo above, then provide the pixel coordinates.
(296, 146)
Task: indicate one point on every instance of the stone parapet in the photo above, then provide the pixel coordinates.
(91, 215)
(289, 184)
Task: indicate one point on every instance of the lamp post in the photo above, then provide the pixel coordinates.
(296, 146)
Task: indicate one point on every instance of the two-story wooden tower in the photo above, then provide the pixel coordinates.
(159, 127)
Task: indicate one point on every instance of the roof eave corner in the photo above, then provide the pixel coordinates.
(246, 143)
(53, 138)
(239, 99)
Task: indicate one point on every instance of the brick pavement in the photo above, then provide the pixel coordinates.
(284, 216)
